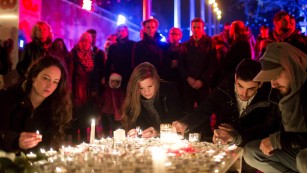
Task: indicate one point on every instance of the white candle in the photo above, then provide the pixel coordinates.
(158, 160)
(119, 135)
(31, 155)
(93, 126)
(38, 134)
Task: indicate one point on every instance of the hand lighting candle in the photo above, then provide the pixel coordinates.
(38, 134)
(92, 137)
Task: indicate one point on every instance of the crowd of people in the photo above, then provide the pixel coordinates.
(216, 86)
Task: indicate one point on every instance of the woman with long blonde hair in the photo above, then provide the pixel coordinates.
(147, 104)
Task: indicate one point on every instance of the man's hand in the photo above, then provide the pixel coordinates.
(29, 140)
(221, 136)
(198, 84)
(191, 81)
(266, 146)
(180, 127)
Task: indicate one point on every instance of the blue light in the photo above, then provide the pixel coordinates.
(121, 19)
(163, 39)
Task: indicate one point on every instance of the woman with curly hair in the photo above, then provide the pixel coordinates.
(40, 45)
(40, 103)
(149, 102)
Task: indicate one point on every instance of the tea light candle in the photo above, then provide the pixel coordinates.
(31, 155)
(93, 126)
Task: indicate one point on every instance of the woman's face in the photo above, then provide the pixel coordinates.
(42, 32)
(46, 82)
(147, 88)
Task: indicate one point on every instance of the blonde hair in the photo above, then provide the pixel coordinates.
(132, 103)
(36, 27)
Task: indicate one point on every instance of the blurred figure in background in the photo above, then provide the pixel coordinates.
(40, 45)
(120, 56)
(82, 71)
(59, 49)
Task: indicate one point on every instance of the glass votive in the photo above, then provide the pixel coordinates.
(165, 131)
(194, 137)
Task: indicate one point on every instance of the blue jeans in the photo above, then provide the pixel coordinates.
(302, 161)
(281, 161)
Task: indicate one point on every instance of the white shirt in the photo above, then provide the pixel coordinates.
(242, 105)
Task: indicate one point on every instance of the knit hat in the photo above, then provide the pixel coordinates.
(115, 77)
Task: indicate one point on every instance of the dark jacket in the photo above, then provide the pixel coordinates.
(31, 53)
(258, 120)
(198, 62)
(166, 104)
(239, 50)
(119, 60)
(150, 50)
(17, 115)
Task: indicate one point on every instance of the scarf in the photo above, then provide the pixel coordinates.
(85, 57)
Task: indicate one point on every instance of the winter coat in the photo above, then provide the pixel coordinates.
(198, 62)
(258, 120)
(119, 60)
(166, 104)
(32, 51)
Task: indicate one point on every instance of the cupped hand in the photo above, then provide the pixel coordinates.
(29, 140)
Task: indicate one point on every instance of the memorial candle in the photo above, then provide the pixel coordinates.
(92, 137)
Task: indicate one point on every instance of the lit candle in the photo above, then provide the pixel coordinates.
(92, 137)
(158, 160)
(38, 134)
(31, 155)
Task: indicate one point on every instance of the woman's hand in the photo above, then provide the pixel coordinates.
(132, 133)
(29, 140)
(149, 133)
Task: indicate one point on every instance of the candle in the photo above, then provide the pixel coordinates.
(92, 137)
(38, 134)
(31, 155)
(119, 135)
(158, 160)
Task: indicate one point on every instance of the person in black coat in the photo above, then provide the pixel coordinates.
(242, 109)
(41, 102)
(149, 102)
(40, 45)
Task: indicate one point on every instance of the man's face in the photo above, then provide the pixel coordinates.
(150, 28)
(197, 29)
(282, 83)
(175, 36)
(122, 33)
(283, 25)
(246, 89)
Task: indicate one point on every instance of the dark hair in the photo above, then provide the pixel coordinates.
(277, 17)
(247, 69)
(91, 31)
(60, 100)
(264, 27)
(198, 19)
